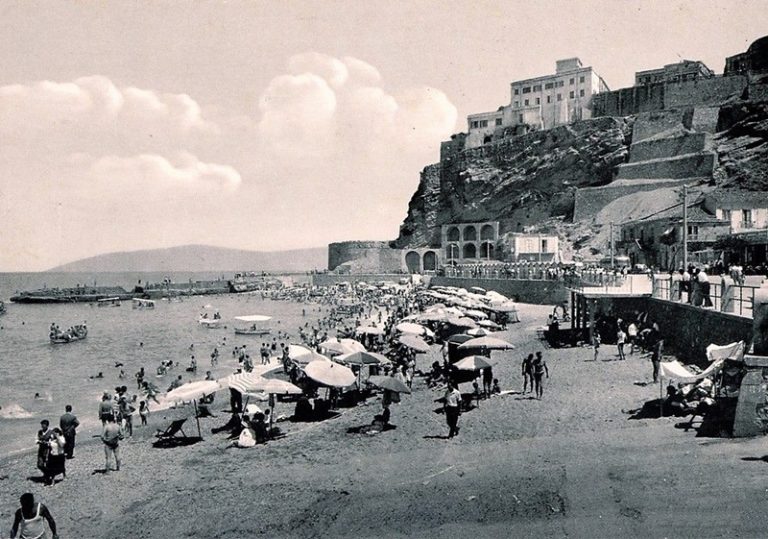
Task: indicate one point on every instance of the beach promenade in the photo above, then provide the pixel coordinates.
(570, 465)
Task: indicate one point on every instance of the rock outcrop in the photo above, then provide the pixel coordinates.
(518, 181)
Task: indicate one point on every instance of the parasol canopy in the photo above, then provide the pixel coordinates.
(462, 322)
(475, 314)
(410, 328)
(369, 330)
(330, 374)
(303, 355)
(193, 390)
(479, 332)
(390, 383)
(242, 381)
(274, 386)
(364, 358)
(472, 363)
(414, 343)
(341, 346)
(489, 343)
(488, 324)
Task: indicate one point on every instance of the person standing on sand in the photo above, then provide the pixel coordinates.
(44, 436)
(487, 381)
(658, 346)
(29, 521)
(539, 368)
(68, 424)
(527, 373)
(452, 409)
(596, 342)
(105, 408)
(621, 338)
(111, 439)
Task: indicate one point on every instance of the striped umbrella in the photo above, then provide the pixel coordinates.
(242, 381)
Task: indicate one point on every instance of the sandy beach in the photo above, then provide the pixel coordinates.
(570, 465)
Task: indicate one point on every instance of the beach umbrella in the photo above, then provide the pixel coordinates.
(330, 374)
(477, 289)
(390, 383)
(478, 315)
(433, 316)
(503, 307)
(363, 358)
(353, 345)
(242, 381)
(479, 332)
(414, 343)
(488, 343)
(460, 338)
(472, 363)
(275, 386)
(335, 347)
(488, 324)
(410, 328)
(193, 390)
(369, 330)
(462, 322)
(303, 355)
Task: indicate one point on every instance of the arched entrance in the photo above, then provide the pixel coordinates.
(413, 262)
(453, 234)
(486, 250)
(470, 251)
(470, 233)
(429, 262)
(486, 233)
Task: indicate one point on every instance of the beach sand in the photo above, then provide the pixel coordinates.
(572, 464)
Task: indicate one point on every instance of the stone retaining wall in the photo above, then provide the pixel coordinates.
(526, 291)
(697, 165)
(590, 200)
(653, 148)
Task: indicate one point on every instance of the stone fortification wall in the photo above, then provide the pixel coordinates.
(654, 123)
(526, 291)
(589, 201)
(704, 91)
(655, 148)
(698, 165)
(664, 96)
(705, 119)
(686, 330)
(365, 256)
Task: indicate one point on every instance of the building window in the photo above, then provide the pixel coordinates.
(484, 123)
(517, 91)
(693, 232)
(526, 102)
(517, 104)
(520, 118)
(537, 87)
(560, 83)
(572, 82)
(746, 218)
(571, 94)
(549, 85)
(581, 79)
(549, 99)
(498, 121)
(727, 215)
(559, 97)
(527, 90)
(474, 124)
(538, 101)
(543, 246)
(581, 93)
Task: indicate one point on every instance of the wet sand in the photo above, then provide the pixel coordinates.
(571, 464)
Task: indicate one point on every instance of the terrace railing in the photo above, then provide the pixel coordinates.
(724, 296)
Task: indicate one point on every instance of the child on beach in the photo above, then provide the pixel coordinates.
(143, 412)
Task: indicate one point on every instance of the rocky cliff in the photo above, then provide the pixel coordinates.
(742, 146)
(519, 181)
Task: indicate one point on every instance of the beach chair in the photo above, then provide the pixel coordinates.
(172, 431)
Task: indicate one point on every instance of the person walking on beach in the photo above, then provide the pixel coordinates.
(111, 438)
(55, 464)
(632, 337)
(487, 381)
(105, 408)
(621, 338)
(68, 424)
(539, 368)
(527, 373)
(658, 346)
(452, 409)
(29, 521)
(596, 341)
(143, 412)
(44, 436)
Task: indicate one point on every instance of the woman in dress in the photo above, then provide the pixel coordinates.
(55, 464)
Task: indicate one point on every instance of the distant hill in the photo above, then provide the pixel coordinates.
(201, 258)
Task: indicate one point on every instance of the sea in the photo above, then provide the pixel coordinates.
(119, 338)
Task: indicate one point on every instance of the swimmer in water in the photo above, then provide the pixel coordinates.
(100, 375)
(37, 396)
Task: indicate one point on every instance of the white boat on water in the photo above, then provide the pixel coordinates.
(254, 324)
(109, 302)
(140, 303)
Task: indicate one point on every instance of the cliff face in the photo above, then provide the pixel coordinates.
(518, 181)
(742, 146)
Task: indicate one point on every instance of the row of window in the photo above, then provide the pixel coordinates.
(571, 95)
(477, 124)
(548, 85)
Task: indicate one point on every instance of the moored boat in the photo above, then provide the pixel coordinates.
(254, 325)
(75, 333)
(140, 303)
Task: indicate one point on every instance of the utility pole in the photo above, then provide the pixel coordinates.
(612, 265)
(685, 227)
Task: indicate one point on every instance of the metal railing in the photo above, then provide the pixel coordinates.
(733, 299)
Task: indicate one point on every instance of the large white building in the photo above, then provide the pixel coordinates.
(541, 103)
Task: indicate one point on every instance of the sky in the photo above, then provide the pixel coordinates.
(280, 125)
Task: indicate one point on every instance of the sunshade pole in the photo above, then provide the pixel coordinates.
(197, 419)
(661, 396)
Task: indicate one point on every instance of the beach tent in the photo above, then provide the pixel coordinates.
(733, 351)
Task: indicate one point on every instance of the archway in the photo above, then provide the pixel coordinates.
(487, 233)
(429, 261)
(469, 251)
(452, 251)
(470, 233)
(453, 234)
(413, 262)
(486, 250)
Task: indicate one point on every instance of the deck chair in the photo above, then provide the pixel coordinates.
(170, 433)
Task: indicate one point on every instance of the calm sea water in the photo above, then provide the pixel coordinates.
(61, 374)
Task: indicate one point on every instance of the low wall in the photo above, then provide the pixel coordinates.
(527, 291)
(654, 148)
(687, 330)
(330, 279)
(696, 165)
(588, 201)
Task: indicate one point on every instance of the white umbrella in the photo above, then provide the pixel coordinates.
(414, 343)
(488, 324)
(330, 374)
(473, 363)
(462, 322)
(410, 328)
(489, 343)
(364, 358)
(275, 386)
(477, 315)
(242, 381)
(479, 332)
(369, 330)
(303, 355)
(193, 390)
